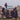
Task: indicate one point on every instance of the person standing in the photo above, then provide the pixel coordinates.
(15, 14)
(3, 12)
(12, 13)
(5, 9)
(7, 14)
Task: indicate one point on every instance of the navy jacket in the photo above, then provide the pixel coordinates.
(14, 14)
(3, 10)
(11, 13)
(6, 5)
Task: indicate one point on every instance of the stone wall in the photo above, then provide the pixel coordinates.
(0, 10)
(18, 9)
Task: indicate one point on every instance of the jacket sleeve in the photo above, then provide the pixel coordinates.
(16, 13)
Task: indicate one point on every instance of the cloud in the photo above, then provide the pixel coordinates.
(10, 2)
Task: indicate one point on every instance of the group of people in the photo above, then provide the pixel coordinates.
(13, 13)
(5, 13)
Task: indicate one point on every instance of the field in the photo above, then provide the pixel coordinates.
(9, 19)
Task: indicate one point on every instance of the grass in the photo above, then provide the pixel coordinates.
(9, 19)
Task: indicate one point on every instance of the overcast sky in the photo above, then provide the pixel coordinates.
(10, 2)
